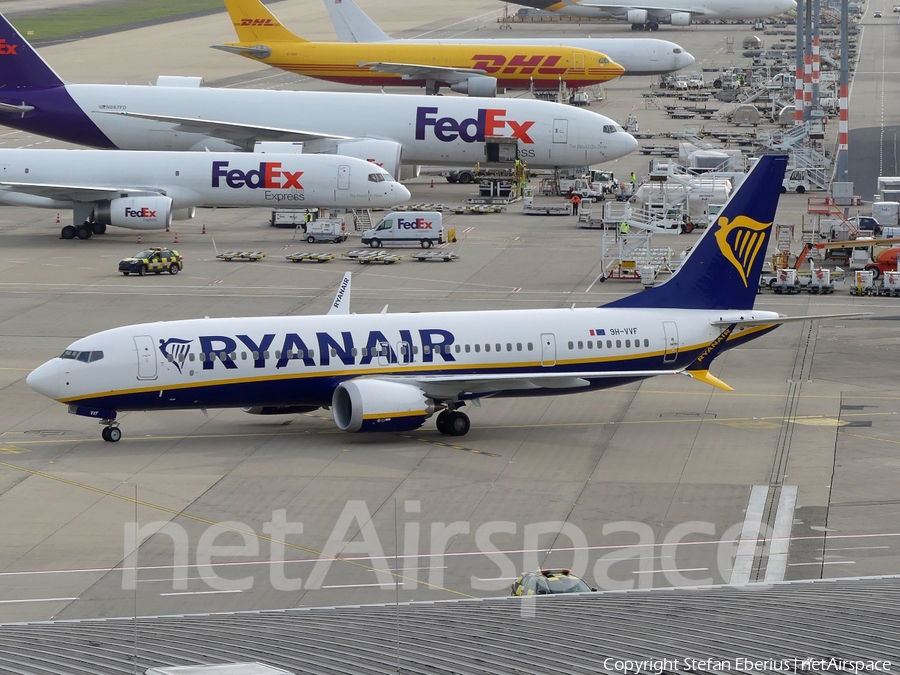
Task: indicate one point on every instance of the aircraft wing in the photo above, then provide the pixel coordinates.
(655, 9)
(450, 386)
(242, 134)
(77, 193)
(415, 71)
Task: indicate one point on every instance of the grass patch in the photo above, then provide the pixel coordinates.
(75, 22)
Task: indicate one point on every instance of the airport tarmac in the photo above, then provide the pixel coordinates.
(656, 483)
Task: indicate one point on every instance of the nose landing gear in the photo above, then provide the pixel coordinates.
(453, 423)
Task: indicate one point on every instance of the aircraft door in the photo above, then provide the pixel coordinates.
(146, 357)
(548, 349)
(343, 177)
(579, 61)
(560, 131)
(671, 331)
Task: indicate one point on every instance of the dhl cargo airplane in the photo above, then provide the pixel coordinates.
(473, 69)
(648, 16)
(638, 56)
(390, 372)
(393, 130)
(147, 190)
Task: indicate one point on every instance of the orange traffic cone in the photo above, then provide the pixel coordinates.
(204, 229)
(139, 238)
(176, 238)
(57, 219)
(167, 228)
(432, 182)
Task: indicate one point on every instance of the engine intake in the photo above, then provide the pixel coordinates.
(479, 85)
(135, 213)
(636, 16)
(375, 405)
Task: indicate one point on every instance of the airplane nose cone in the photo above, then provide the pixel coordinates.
(401, 192)
(45, 379)
(615, 70)
(629, 143)
(685, 59)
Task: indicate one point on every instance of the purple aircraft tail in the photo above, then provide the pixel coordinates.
(20, 65)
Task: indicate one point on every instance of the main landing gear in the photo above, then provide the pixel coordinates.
(453, 423)
(111, 432)
(84, 231)
(649, 26)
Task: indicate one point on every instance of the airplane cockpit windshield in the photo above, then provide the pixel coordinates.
(380, 178)
(84, 357)
(612, 129)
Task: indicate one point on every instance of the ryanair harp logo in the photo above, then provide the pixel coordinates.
(741, 241)
(175, 351)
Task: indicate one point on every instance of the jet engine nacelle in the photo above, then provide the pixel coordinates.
(279, 409)
(680, 18)
(184, 214)
(636, 16)
(375, 405)
(478, 85)
(136, 213)
(385, 154)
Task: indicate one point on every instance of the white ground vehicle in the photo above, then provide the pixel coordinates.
(681, 82)
(796, 181)
(696, 81)
(327, 230)
(409, 227)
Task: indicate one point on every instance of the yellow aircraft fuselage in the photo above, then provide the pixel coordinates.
(514, 67)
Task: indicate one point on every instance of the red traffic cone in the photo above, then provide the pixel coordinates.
(57, 219)
(176, 238)
(432, 182)
(139, 238)
(204, 229)
(167, 228)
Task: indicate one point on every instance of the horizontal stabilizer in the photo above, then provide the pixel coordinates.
(255, 51)
(755, 323)
(16, 109)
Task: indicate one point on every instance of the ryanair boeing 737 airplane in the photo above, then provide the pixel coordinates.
(391, 372)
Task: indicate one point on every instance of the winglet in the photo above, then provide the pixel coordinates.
(341, 304)
(699, 369)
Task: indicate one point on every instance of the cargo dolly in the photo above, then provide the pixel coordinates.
(245, 256)
(305, 256)
(435, 256)
(364, 257)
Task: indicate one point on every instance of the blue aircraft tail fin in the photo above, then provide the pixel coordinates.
(22, 66)
(722, 271)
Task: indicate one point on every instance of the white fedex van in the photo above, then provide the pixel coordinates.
(409, 227)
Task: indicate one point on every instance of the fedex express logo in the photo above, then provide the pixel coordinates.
(415, 224)
(269, 175)
(139, 213)
(7, 49)
(489, 122)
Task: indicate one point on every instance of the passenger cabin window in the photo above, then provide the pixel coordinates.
(571, 345)
(646, 342)
(530, 347)
(580, 345)
(618, 344)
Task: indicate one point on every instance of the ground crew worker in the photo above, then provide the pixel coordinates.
(576, 200)
(632, 182)
(623, 228)
(307, 219)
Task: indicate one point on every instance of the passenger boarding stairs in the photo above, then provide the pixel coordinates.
(362, 219)
(802, 152)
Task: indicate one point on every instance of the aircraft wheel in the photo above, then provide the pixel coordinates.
(105, 434)
(68, 232)
(85, 232)
(98, 228)
(426, 243)
(443, 422)
(635, 26)
(458, 424)
(113, 434)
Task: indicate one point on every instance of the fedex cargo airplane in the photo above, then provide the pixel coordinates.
(147, 190)
(391, 372)
(466, 68)
(638, 56)
(648, 16)
(392, 130)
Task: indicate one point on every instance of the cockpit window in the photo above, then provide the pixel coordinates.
(376, 177)
(612, 128)
(84, 357)
(677, 50)
(603, 59)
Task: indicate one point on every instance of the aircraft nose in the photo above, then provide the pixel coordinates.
(684, 59)
(400, 192)
(45, 379)
(628, 143)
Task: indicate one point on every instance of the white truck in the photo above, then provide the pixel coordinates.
(326, 230)
(424, 228)
(797, 181)
(593, 184)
